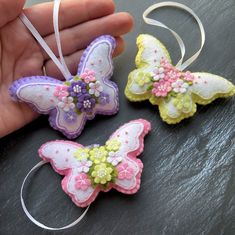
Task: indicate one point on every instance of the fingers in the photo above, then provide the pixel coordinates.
(71, 13)
(72, 61)
(9, 10)
(78, 37)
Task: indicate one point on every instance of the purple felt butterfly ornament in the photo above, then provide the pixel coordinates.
(69, 104)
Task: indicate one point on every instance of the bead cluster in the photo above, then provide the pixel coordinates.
(80, 95)
(101, 165)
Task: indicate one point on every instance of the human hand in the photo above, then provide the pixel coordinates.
(20, 55)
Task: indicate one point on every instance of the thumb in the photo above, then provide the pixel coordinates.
(9, 10)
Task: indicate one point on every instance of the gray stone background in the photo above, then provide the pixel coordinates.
(188, 183)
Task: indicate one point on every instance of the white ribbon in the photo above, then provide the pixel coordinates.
(59, 63)
(32, 218)
(180, 65)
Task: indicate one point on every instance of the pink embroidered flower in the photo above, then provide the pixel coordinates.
(180, 86)
(158, 73)
(88, 76)
(165, 64)
(188, 76)
(114, 158)
(84, 165)
(82, 182)
(66, 104)
(125, 171)
(173, 75)
(61, 91)
(161, 89)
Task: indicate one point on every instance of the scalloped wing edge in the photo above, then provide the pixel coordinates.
(201, 101)
(67, 174)
(87, 50)
(16, 85)
(132, 155)
(139, 60)
(171, 121)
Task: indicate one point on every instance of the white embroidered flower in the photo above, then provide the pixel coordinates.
(180, 86)
(66, 103)
(95, 88)
(158, 74)
(84, 165)
(114, 158)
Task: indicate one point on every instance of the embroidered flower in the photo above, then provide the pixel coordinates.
(179, 86)
(60, 92)
(143, 78)
(114, 158)
(166, 64)
(104, 98)
(173, 75)
(66, 104)
(188, 76)
(102, 173)
(70, 116)
(88, 76)
(183, 102)
(158, 73)
(84, 165)
(95, 88)
(82, 182)
(77, 88)
(85, 103)
(161, 88)
(125, 171)
(98, 154)
(112, 145)
(82, 153)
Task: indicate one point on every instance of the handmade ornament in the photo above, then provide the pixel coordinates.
(91, 169)
(174, 91)
(69, 104)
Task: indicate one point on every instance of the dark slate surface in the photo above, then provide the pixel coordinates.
(188, 184)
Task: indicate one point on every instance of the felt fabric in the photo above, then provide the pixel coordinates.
(89, 170)
(69, 104)
(174, 91)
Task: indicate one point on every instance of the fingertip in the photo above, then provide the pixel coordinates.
(126, 21)
(120, 46)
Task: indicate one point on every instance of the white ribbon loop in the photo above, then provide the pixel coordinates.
(180, 65)
(59, 63)
(39, 224)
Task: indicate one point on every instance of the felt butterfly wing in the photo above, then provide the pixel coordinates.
(128, 166)
(150, 53)
(61, 155)
(101, 66)
(174, 91)
(69, 104)
(89, 170)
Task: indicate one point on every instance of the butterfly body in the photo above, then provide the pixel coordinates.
(69, 104)
(175, 92)
(89, 170)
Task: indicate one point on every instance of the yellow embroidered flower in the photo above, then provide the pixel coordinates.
(143, 78)
(82, 153)
(102, 173)
(183, 102)
(98, 154)
(112, 145)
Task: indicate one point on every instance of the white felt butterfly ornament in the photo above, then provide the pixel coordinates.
(69, 104)
(89, 170)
